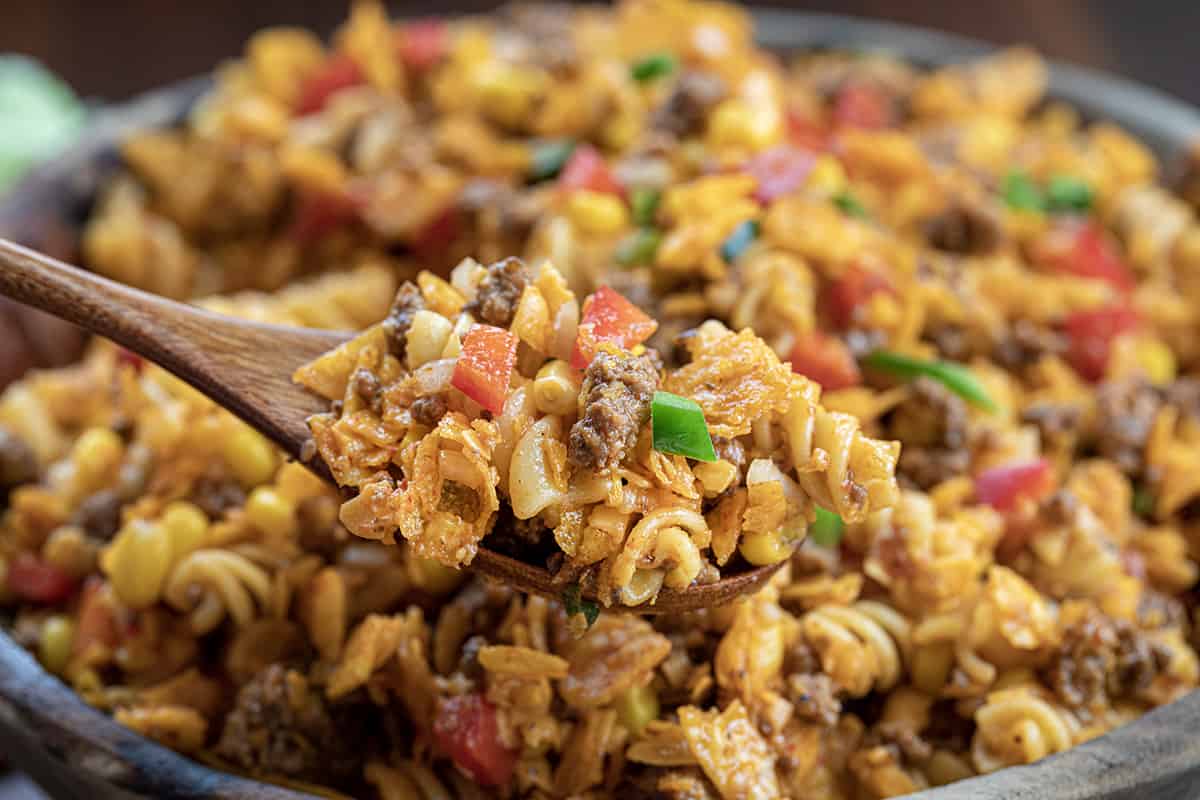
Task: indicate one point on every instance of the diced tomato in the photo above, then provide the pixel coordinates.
(422, 43)
(339, 72)
(586, 169)
(485, 365)
(862, 105)
(779, 171)
(1090, 335)
(1001, 487)
(1087, 252)
(806, 133)
(827, 361)
(319, 214)
(609, 318)
(97, 624)
(32, 579)
(465, 729)
(438, 234)
(850, 292)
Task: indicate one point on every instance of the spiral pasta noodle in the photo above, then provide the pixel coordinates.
(213, 584)
(918, 339)
(1018, 726)
(551, 454)
(861, 646)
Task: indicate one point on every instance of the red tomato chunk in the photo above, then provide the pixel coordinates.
(36, 581)
(1000, 487)
(465, 730)
(1086, 251)
(423, 43)
(319, 214)
(438, 234)
(485, 365)
(806, 133)
(851, 291)
(862, 105)
(586, 169)
(827, 361)
(608, 318)
(340, 72)
(1090, 335)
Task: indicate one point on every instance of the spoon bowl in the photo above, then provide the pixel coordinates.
(246, 367)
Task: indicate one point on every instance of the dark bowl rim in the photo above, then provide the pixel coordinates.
(71, 747)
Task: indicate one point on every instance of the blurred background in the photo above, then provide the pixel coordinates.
(110, 51)
(117, 48)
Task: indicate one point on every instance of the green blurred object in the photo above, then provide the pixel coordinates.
(39, 116)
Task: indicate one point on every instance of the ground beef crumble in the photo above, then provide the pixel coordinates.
(966, 228)
(1125, 412)
(1026, 343)
(400, 317)
(814, 697)
(617, 391)
(215, 494)
(932, 423)
(500, 291)
(17, 463)
(1054, 421)
(99, 515)
(686, 109)
(1102, 658)
(428, 409)
(281, 725)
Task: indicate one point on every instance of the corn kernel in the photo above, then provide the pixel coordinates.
(596, 212)
(427, 337)
(621, 131)
(54, 646)
(297, 483)
(1156, 360)
(281, 58)
(508, 93)
(97, 455)
(186, 527)
(762, 549)
(271, 512)
(259, 117)
(637, 706)
(827, 176)
(69, 549)
(161, 428)
(137, 563)
(737, 124)
(249, 456)
(313, 168)
(435, 577)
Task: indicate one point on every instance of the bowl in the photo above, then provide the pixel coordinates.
(73, 750)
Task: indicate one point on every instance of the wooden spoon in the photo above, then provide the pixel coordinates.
(247, 367)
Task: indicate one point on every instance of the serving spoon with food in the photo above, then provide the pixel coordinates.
(247, 368)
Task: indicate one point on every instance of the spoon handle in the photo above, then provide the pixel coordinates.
(242, 365)
(132, 318)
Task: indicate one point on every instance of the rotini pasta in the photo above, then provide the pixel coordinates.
(920, 338)
(574, 440)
